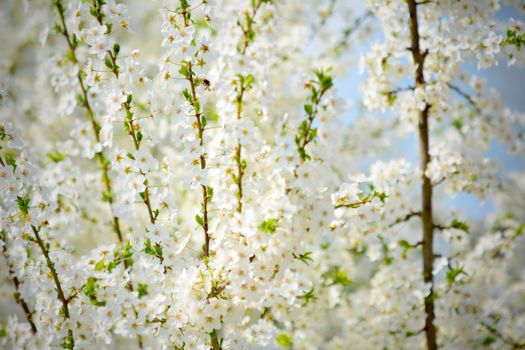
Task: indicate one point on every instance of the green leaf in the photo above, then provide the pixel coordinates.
(158, 250)
(269, 226)
(303, 128)
(308, 296)
(116, 48)
(313, 134)
(209, 193)
(155, 250)
(186, 94)
(108, 63)
(460, 225)
(142, 289)
(514, 38)
(184, 5)
(111, 266)
(90, 290)
(488, 340)
(519, 230)
(406, 246)
(392, 97)
(3, 333)
(337, 276)
(458, 123)
(68, 342)
(106, 196)
(184, 71)
(147, 247)
(197, 106)
(381, 195)
(100, 266)
(248, 81)
(285, 340)
(199, 220)
(453, 273)
(23, 204)
(305, 257)
(10, 160)
(56, 156)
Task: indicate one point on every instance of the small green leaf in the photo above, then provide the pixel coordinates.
(184, 71)
(100, 266)
(337, 276)
(458, 123)
(488, 340)
(269, 226)
(284, 340)
(453, 273)
(308, 296)
(23, 204)
(10, 160)
(106, 196)
(305, 257)
(199, 220)
(68, 342)
(392, 98)
(90, 290)
(460, 225)
(108, 63)
(56, 156)
(186, 94)
(142, 289)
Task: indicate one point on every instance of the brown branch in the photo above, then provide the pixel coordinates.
(466, 96)
(100, 155)
(58, 286)
(405, 218)
(202, 160)
(355, 204)
(16, 284)
(238, 151)
(426, 188)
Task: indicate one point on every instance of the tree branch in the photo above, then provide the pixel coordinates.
(426, 188)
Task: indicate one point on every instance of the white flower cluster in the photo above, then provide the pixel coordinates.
(180, 175)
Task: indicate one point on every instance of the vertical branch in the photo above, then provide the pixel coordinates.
(245, 83)
(426, 189)
(69, 343)
(238, 150)
(104, 163)
(200, 129)
(16, 284)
